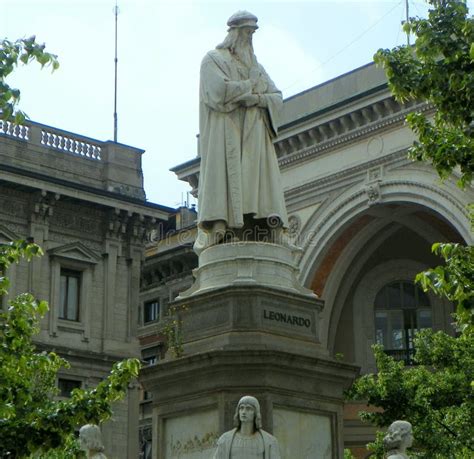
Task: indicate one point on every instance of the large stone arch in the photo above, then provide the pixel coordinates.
(339, 229)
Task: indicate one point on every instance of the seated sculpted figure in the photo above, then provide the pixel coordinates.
(90, 439)
(399, 437)
(248, 440)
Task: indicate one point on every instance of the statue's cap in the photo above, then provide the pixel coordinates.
(243, 18)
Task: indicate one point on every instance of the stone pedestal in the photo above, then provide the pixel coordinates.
(245, 337)
(246, 264)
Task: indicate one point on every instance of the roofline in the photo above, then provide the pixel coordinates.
(81, 187)
(324, 83)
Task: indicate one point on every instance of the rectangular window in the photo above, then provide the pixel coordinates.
(66, 386)
(70, 285)
(151, 311)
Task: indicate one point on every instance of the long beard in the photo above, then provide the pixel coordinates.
(244, 52)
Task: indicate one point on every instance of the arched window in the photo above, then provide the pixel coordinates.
(401, 308)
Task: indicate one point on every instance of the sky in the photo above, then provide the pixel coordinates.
(160, 46)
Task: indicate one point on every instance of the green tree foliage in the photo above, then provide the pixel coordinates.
(454, 280)
(32, 421)
(13, 53)
(439, 69)
(437, 394)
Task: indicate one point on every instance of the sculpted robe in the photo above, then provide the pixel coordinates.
(224, 445)
(239, 169)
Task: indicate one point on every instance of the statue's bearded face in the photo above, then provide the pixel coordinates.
(244, 47)
(244, 41)
(247, 33)
(246, 413)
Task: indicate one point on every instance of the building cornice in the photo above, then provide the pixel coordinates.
(35, 180)
(350, 127)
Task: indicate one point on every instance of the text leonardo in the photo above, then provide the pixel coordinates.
(286, 318)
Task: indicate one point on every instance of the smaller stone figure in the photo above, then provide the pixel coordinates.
(248, 440)
(90, 439)
(399, 437)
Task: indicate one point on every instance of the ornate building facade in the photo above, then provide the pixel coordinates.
(83, 202)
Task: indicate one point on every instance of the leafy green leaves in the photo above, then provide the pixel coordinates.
(439, 69)
(13, 53)
(31, 419)
(454, 281)
(435, 396)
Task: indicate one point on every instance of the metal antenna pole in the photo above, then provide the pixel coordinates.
(116, 12)
(408, 20)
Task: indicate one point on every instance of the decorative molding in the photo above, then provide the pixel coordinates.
(294, 225)
(75, 251)
(331, 179)
(196, 444)
(6, 235)
(435, 189)
(372, 187)
(373, 193)
(42, 205)
(365, 122)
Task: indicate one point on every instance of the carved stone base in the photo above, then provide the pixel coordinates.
(246, 263)
(250, 316)
(248, 339)
(194, 399)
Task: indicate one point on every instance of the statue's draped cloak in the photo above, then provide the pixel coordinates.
(239, 171)
(224, 445)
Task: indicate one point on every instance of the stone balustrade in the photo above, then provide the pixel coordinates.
(49, 137)
(68, 156)
(70, 143)
(17, 131)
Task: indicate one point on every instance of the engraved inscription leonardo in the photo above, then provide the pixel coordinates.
(286, 318)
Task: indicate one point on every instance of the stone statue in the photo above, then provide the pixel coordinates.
(90, 440)
(239, 183)
(248, 440)
(399, 437)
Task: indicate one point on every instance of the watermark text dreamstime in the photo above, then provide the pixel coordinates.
(266, 231)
